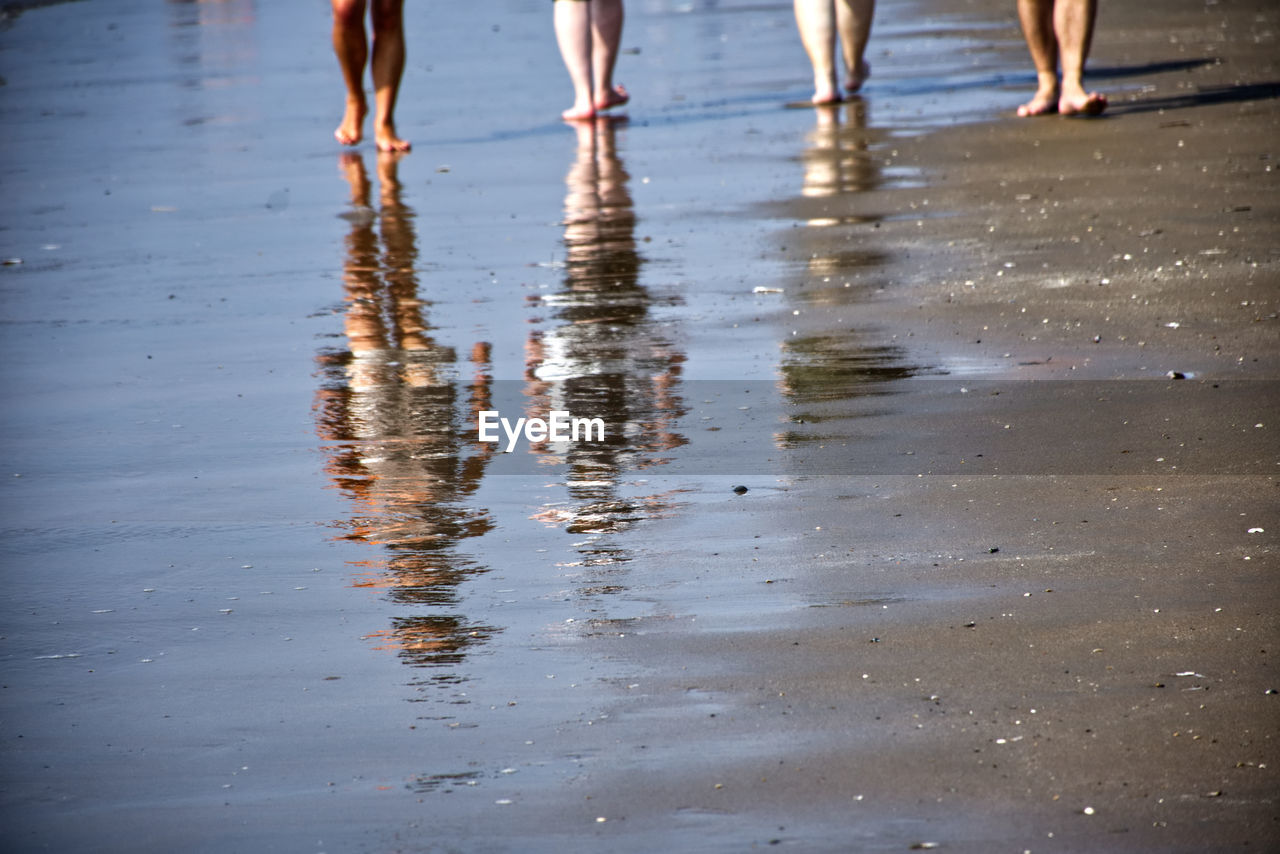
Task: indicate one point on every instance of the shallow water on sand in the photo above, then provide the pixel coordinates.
(256, 558)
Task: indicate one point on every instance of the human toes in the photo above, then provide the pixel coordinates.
(615, 97)
(1040, 105)
(1092, 104)
(347, 133)
(393, 143)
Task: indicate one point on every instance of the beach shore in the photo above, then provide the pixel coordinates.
(941, 510)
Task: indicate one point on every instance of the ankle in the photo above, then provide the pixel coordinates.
(1072, 85)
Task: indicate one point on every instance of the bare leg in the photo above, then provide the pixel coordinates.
(1073, 26)
(816, 20)
(853, 20)
(409, 330)
(1037, 28)
(573, 35)
(352, 165)
(388, 68)
(351, 48)
(606, 37)
(366, 332)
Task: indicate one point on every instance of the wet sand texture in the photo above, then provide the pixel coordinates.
(940, 509)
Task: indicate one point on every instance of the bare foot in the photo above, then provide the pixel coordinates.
(826, 96)
(579, 113)
(854, 81)
(351, 130)
(1084, 104)
(1044, 103)
(387, 139)
(615, 97)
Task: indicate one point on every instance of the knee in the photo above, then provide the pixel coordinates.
(348, 12)
(387, 14)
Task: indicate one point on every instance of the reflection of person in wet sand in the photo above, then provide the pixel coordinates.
(393, 420)
(589, 33)
(353, 49)
(1060, 31)
(837, 160)
(605, 355)
(823, 372)
(820, 23)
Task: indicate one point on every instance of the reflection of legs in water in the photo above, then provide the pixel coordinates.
(363, 324)
(820, 23)
(396, 450)
(380, 276)
(589, 33)
(351, 45)
(822, 158)
(582, 199)
(599, 352)
(599, 217)
(836, 160)
(399, 262)
(352, 165)
(1059, 31)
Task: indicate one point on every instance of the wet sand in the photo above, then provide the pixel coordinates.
(1002, 394)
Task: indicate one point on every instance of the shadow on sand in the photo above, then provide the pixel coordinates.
(1207, 96)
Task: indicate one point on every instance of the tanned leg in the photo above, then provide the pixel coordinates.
(1073, 25)
(1036, 17)
(388, 68)
(351, 47)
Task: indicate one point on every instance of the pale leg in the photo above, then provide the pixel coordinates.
(573, 34)
(853, 20)
(816, 20)
(606, 32)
